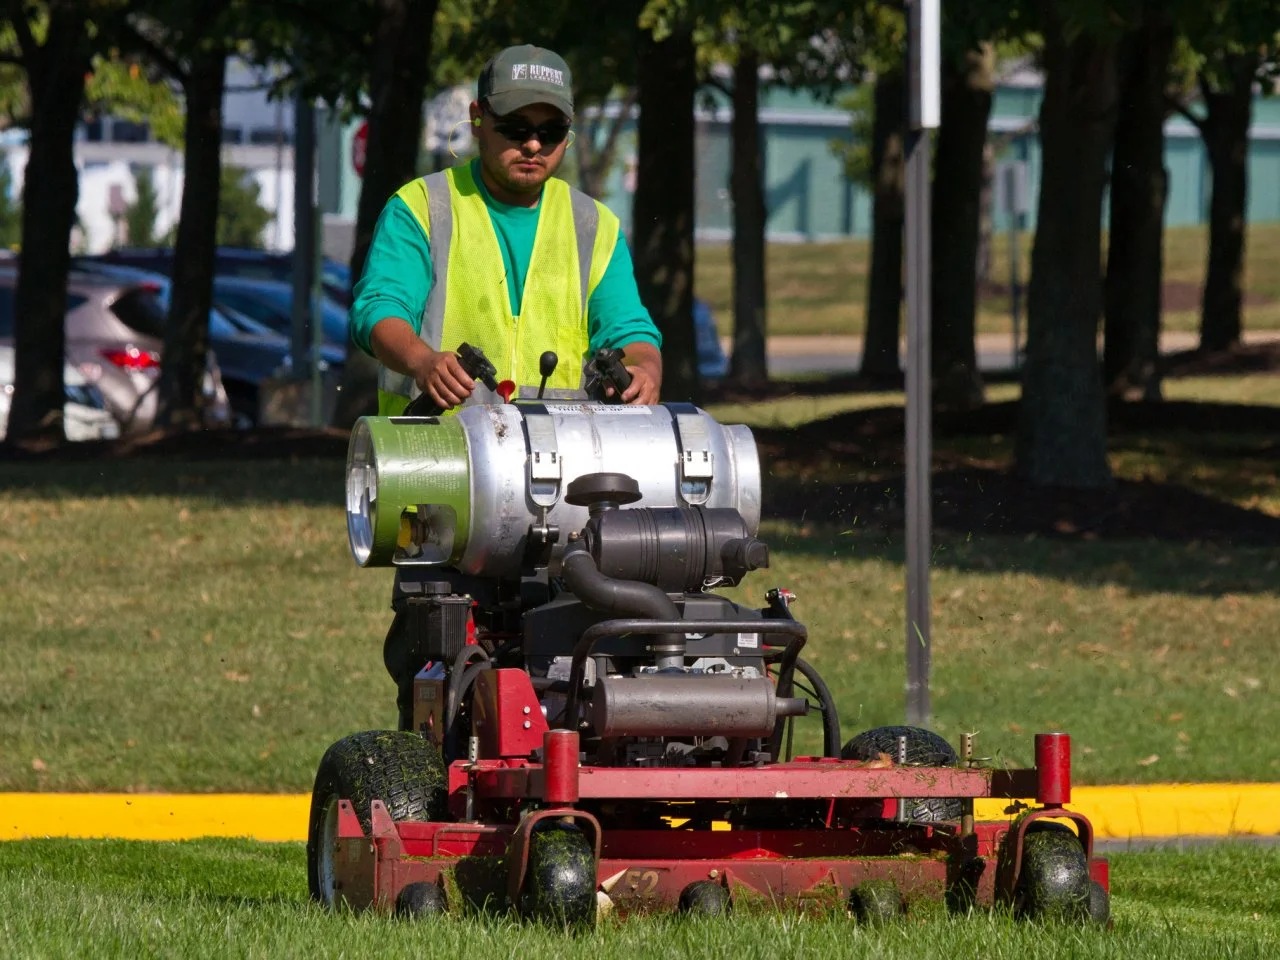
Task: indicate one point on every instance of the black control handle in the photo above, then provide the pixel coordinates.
(605, 369)
(477, 367)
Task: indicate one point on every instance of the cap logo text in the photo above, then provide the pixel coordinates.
(536, 71)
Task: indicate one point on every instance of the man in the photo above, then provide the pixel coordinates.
(500, 254)
(448, 246)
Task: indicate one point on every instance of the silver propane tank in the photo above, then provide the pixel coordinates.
(471, 490)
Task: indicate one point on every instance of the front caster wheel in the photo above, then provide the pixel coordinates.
(560, 882)
(1054, 881)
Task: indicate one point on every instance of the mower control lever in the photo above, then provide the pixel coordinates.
(605, 369)
(546, 367)
(477, 367)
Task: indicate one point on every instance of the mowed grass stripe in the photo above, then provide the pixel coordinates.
(1117, 812)
(235, 898)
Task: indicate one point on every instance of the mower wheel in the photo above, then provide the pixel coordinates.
(560, 881)
(876, 901)
(705, 898)
(924, 749)
(421, 900)
(1054, 882)
(401, 768)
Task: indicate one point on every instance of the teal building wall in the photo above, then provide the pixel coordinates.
(808, 197)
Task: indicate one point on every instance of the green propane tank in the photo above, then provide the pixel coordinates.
(467, 491)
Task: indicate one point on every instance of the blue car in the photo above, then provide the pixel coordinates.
(335, 276)
(270, 303)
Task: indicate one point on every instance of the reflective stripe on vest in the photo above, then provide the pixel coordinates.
(469, 301)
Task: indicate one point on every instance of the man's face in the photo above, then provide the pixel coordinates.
(515, 149)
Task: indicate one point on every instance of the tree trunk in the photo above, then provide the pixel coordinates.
(1139, 187)
(186, 334)
(400, 72)
(749, 365)
(55, 78)
(888, 217)
(957, 215)
(664, 204)
(1062, 437)
(596, 162)
(1226, 136)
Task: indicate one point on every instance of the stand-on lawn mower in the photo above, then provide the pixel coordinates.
(594, 729)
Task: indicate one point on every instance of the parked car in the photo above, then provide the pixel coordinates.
(247, 351)
(84, 416)
(270, 302)
(335, 276)
(114, 340)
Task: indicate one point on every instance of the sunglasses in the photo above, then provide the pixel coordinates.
(518, 130)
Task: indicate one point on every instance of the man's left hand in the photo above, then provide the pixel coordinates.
(644, 363)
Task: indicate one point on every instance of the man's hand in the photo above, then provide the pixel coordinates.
(644, 362)
(438, 374)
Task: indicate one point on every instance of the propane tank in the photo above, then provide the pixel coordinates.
(483, 491)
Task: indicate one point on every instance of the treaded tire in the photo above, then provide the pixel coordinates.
(401, 768)
(1054, 881)
(560, 883)
(924, 749)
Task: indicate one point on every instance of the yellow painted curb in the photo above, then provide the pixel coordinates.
(1117, 813)
(146, 816)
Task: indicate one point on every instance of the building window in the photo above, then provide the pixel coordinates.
(266, 136)
(127, 131)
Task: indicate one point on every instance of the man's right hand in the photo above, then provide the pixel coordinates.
(440, 376)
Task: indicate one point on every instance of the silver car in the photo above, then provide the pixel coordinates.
(84, 415)
(114, 335)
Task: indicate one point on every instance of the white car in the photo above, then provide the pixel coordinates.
(84, 416)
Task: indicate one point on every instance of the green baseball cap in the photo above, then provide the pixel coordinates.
(519, 76)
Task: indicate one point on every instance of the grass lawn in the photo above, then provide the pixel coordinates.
(820, 288)
(201, 626)
(234, 898)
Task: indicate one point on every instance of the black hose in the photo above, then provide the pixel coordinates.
(453, 696)
(830, 718)
(786, 674)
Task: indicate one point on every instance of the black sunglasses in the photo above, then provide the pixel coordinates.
(518, 130)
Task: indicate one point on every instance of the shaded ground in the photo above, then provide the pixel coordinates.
(848, 469)
(975, 491)
(1177, 296)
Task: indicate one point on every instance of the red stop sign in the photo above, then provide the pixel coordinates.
(359, 146)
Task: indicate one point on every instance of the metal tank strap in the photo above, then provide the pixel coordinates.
(697, 463)
(544, 454)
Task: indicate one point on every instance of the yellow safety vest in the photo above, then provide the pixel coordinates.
(469, 303)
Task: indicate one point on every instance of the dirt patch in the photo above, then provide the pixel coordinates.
(268, 443)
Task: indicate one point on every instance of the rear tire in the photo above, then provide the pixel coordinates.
(402, 769)
(924, 749)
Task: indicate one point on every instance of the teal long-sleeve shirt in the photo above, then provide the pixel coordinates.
(397, 276)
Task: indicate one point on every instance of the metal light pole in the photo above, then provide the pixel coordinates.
(924, 28)
(304, 232)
